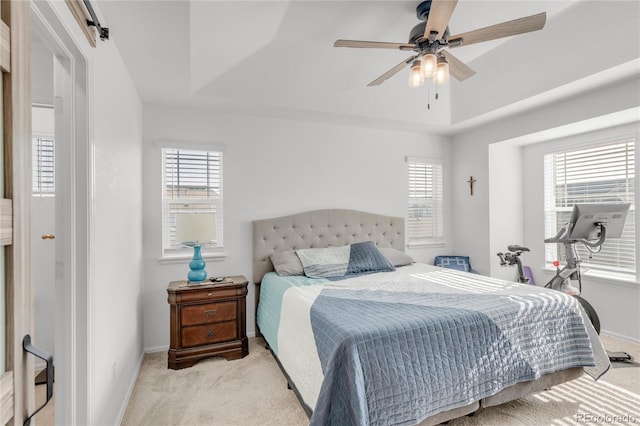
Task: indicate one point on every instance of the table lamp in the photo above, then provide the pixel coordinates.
(192, 229)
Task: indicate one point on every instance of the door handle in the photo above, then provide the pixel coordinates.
(29, 348)
(48, 236)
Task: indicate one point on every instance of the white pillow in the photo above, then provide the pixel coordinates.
(325, 262)
(396, 257)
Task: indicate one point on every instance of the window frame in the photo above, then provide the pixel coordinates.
(209, 251)
(437, 237)
(582, 145)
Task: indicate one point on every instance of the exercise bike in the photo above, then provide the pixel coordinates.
(589, 225)
(571, 270)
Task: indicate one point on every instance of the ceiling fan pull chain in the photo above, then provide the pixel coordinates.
(436, 90)
(428, 97)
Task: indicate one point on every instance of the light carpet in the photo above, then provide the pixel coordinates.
(253, 391)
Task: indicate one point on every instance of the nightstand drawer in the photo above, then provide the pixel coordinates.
(210, 333)
(210, 292)
(209, 313)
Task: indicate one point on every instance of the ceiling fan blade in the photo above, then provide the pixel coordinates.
(505, 29)
(373, 44)
(457, 68)
(439, 16)
(393, 71)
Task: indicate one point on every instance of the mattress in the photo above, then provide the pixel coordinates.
(398, 347)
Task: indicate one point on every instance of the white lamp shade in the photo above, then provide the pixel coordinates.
(415, 75)
(195, 227)
(428, 65)
(442, 73)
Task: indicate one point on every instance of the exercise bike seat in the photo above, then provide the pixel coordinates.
(517, 248)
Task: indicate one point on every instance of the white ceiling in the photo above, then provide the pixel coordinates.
(276, 58)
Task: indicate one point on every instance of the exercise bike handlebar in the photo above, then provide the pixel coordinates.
(563, 237)
(559, 237)
(571, 271)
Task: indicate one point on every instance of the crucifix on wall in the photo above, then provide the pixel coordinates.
(471, 181)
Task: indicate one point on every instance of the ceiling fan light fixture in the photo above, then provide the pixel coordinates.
(416, 79)
(442, 73)
(428, 38)
(429, 63)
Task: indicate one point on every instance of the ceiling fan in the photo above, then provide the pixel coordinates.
(430, 39)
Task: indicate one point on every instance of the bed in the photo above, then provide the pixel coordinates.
(413, 344)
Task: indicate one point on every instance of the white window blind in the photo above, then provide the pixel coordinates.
(425, 213)
(192, 182)
(597, 174)
(42, 158)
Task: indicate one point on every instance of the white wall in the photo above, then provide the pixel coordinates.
(473, 232)
(505, 204)
(117, 258)
(273, 168)
(41, 73)
(115, 192)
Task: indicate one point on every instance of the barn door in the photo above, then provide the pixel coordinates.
(16, 300)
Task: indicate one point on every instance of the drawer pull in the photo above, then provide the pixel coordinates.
(209, 333)
(210, 313)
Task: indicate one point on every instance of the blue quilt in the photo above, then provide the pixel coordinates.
(397, 347)
(397, 358)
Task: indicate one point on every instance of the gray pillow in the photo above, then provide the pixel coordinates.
(396, 257)
(286, 263)
(325, 262)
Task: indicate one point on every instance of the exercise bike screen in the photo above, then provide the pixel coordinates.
(586, 217)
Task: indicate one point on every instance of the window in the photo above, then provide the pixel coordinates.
(425, 214)
(602, 173)
(42, 150)
(192, 182)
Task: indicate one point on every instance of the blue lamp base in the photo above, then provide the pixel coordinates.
(197, 273)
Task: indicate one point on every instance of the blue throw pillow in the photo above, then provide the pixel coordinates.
(366, 258)
(461, 263)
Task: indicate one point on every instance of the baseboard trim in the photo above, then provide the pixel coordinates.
(155, 349)
(620, 336)
(132, 385)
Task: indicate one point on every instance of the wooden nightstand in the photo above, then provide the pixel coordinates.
(206, 320)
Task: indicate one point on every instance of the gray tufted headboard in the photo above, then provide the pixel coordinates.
(321, 228)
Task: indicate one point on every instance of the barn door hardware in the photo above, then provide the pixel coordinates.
(102, 31)
(29, 348)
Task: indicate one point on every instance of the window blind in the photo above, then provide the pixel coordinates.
(192, 183)
(42, 157)
(600, 174)
(425, 212)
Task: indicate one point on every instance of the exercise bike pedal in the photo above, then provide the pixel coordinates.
(619, 356)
